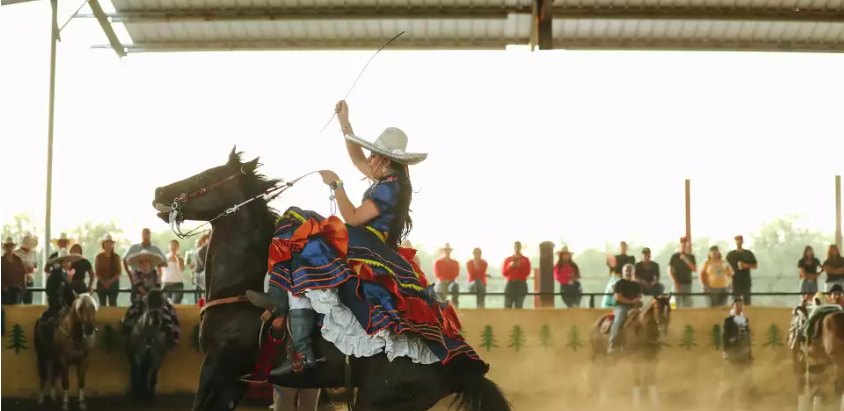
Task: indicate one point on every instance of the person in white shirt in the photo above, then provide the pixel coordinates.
(171, 275)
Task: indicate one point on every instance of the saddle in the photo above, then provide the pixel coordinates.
(813, 330)
(609, 319)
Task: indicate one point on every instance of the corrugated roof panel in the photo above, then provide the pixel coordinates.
(136, 5)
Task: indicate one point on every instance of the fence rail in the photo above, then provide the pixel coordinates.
(196, 293)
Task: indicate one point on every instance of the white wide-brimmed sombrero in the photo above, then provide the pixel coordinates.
(29, 241)
(153, 258)
(392, 143)
(63, 237)
(63, 255)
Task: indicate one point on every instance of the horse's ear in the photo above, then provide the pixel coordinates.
(233, 156)
(250, 166)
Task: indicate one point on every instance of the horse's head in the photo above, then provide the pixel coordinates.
(148, 328)
(660, 309)
(204, 196)
(85, 313)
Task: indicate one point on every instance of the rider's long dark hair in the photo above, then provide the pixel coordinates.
(402, 224)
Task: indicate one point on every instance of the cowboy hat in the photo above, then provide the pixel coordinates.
(9, 241)
(63, 255)
(63, 237)
(447, 248)
(565, 249)
(392, 143)
(153, 258)
(29, 241)
(106, 239)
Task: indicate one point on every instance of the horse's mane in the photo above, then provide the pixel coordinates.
(257, 183)
(155, 299)
(85, 299)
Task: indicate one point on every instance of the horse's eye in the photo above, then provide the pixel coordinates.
(200, 178)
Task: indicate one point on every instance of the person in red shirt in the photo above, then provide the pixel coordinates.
(516, 269)
(567, 273)
(476, 267)
(446, 270)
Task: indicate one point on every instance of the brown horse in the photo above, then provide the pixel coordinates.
(642, 336)
(230, 197)
(824, 351)
(72, 339)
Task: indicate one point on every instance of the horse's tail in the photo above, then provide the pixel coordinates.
(481, 394)
(42, 354)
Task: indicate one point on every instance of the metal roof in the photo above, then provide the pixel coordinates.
(763, 25)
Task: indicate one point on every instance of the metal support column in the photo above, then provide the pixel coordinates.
(544, 17)
(838, 211)
(54, 38)
(688, 209)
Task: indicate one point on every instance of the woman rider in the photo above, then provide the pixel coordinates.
(367, 287)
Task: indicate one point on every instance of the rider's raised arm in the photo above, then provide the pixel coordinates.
(355, 151)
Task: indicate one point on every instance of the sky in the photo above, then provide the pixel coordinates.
(581, 147)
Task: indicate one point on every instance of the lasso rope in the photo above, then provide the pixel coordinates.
(359, 76)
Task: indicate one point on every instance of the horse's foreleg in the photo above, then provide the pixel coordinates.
(65, 369)
(81, 371)
(219, 389)
(152, 375)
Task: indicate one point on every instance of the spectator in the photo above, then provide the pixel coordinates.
(13, 273)
(516, 270)
(172, 275)
(681, 267)
(716, 277)
(836, 295)
(742, 261)
(833, 266)
(30, 261)
(616, 264)
(477, 275)
(808, 268)
(145, 244)
(737, 356)
(567, 273)
(79, 269)
(406, 244)
(108, 270)
(62, 242)
(199, 270)
(446, 270)
(647, 274)
(628, 294)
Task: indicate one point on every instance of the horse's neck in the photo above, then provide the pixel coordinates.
(238, 252)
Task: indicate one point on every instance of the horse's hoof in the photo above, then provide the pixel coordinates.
(83, 406)
(65, 407)
(40, 398)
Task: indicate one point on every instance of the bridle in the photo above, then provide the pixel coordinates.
(176, 217)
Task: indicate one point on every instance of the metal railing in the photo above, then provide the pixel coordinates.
(470, 296)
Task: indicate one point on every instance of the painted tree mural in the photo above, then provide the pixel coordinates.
(688, 341)
(773, 338)
(488, 338)
(109, 338)
(546, 339)
(573, 340)
(715, 336)
(194, 339)
(517, 338)
(17, 341)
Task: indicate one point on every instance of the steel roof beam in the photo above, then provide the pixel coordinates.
(410, 13)
(101, 17)
(491, 44)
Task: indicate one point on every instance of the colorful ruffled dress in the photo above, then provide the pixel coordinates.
(370, 297)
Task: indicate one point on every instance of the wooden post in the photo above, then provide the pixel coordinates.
(688, 210)
(838, 211)
(544, 18)
(544, 280)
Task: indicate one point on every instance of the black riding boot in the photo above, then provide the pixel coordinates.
(302, 323)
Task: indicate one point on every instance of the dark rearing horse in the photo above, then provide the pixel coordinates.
(237, 261)
(147, 345)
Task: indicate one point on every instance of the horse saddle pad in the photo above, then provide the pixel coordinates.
(813, 329)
